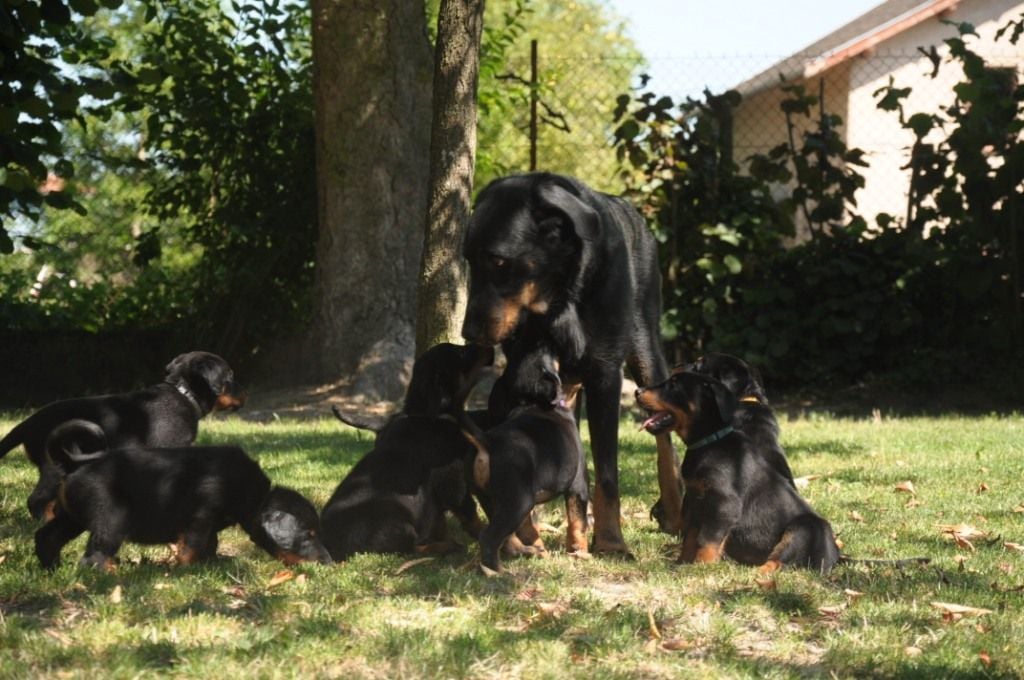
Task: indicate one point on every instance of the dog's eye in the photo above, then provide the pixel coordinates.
(498, 262)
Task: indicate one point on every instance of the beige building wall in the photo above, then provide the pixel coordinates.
(879, 132)
(850, 91)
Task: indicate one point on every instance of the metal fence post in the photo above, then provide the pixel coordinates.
(533, 105)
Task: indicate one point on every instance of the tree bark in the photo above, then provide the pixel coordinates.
(371, 81)
(441, 301)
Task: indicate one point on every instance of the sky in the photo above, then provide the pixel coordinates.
(719, 43)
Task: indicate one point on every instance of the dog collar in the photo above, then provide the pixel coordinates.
(750, 399)
(710, 439)
(187, 393)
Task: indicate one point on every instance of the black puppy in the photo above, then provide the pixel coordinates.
(735, 502)
(753, 416)
(551, 260)
(164, 415)
(395, 498)
(531, 457)
(184, 496)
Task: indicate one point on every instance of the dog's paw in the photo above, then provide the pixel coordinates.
(488, 572)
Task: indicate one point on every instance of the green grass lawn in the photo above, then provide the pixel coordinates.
(562, 617)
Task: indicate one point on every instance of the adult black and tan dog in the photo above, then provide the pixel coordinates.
(170, 495)
(534, 455)
(753, 416)
(395, 498)
(735, 502)
(552, 261)
(163, 415)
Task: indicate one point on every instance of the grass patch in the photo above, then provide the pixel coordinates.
(561, 617)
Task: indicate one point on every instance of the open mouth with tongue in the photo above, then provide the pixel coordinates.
(659, 422)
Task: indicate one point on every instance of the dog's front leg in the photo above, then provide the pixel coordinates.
(603, 388)
(719, 514)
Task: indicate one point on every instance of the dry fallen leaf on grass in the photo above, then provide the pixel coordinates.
(1019, 507)
(856, 516)
(906, 487)
(3, 558)
(963, 534)
(1014, 546)
(984, 657)
(553, 610)
(954, 612)
(527, 594)
(852, 594)
(766, 583)
(913, 651)
(675, 644)
(804, 482)
(234, 591)
(412, 563)
(983, 487)
(831, 611)
(60, 637)
(116, 595)
(280, 577)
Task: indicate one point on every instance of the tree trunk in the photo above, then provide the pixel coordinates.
(441, 301)
(372, 79)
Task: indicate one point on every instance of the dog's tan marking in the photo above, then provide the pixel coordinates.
(706, 554)
(438, 548)
(289, 558)
(607, 528)
(482, 468)
(528, 298)
(481, 462)
(528, 532)
(571, 391)
(576, 528)
(775, 557)
(184, 554)
(770, 566)
(669, 482)
(229, 402)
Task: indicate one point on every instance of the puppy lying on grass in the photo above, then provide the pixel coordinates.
(395, 498)
(183, 496)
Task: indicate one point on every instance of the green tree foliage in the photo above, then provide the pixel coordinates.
(966, 190)
(585, 60)
(198, 178)
(228, 119)
(193, 156)
(38, 95)
(929, 297)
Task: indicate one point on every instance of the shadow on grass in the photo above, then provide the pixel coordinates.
(831, 447)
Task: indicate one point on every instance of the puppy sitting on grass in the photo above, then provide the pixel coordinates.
(534, 455)
(183, 496)
(735, 502)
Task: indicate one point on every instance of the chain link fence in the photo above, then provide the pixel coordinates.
(578, 97)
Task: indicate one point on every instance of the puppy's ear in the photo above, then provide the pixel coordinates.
(757, 384)
(724, 399)
(214, 374)
(552, 385)
(584, 219)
